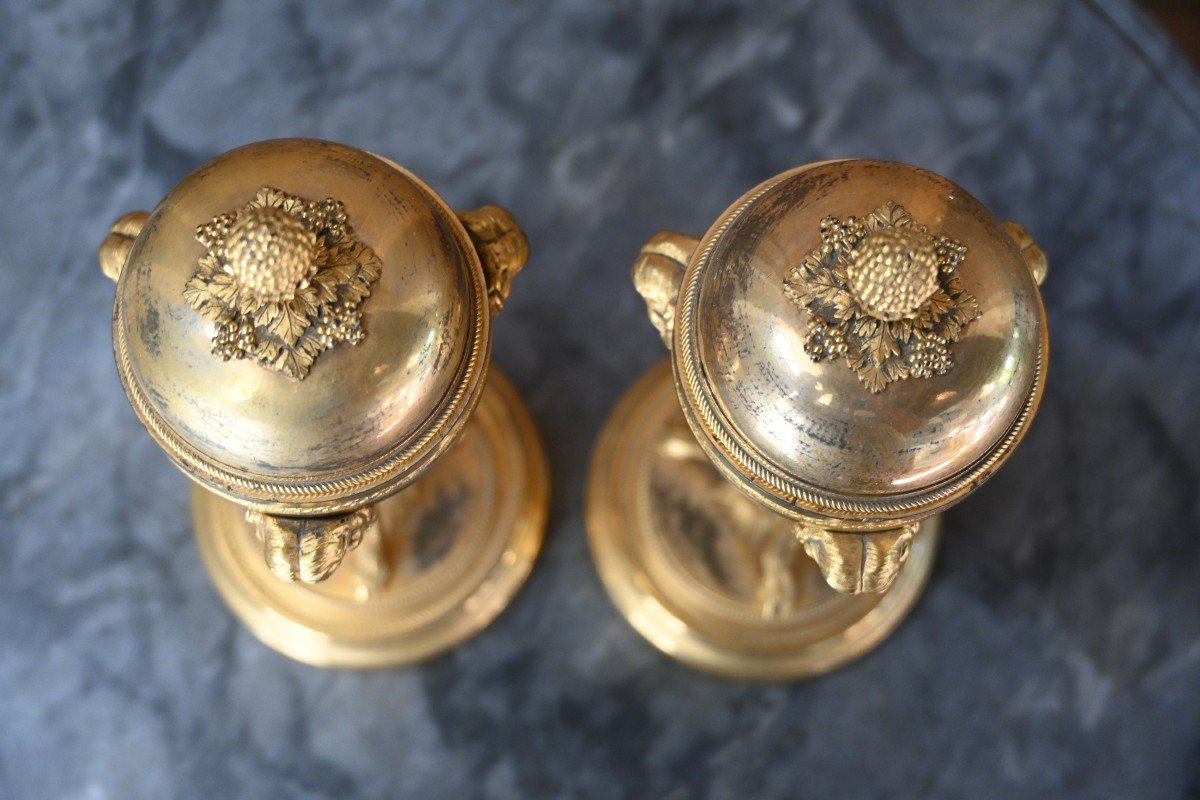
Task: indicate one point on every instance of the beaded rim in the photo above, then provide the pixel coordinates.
(751, 468)
(332, 491)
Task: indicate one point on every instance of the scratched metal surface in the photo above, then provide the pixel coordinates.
(1057, 651)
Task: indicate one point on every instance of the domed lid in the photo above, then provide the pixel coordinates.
(859, 340)
(302, 325)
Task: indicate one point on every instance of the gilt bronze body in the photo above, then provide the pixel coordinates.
(305, 329)
(855, 347)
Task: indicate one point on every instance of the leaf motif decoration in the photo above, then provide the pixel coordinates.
(825, 287)
(196, 293)
(286, 335)
(896, 369)
(289, 325)
(883, 345)
(794, 287)
(879, 351)
(890, 214)
(295, 362)
(874, 376)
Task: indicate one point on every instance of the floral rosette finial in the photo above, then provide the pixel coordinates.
(283, 279)
(883, 293)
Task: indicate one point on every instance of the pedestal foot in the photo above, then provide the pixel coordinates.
(708, 575)
(446, 557)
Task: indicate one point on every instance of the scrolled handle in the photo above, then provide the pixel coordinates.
(309, 549)
(657, 275)
(502, 247)
(857, 562)
(1034, 255)
(114, 250)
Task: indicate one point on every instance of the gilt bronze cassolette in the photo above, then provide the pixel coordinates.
(305, 329)
(855, 347)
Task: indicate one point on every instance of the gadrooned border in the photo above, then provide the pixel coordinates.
(791, 492)
(343, 491)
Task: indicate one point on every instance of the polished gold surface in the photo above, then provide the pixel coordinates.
(445, 558)
(883, 294)
(708, 575)
(282, 278)
(855, 346)
(804, 436)
(305, 329)
(366, 419)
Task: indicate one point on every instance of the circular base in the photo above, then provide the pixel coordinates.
(446, 558)
(708, 575)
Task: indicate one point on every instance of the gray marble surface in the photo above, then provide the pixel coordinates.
(1057, 651)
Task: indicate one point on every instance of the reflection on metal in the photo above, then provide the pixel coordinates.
(753, 443)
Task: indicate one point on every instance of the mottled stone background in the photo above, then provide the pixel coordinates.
(1057, 651)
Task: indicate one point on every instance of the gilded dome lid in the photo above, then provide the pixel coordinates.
(302, 325)
(859, 340)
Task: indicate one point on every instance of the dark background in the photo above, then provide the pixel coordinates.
(1181, 20)
(1057, 650)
